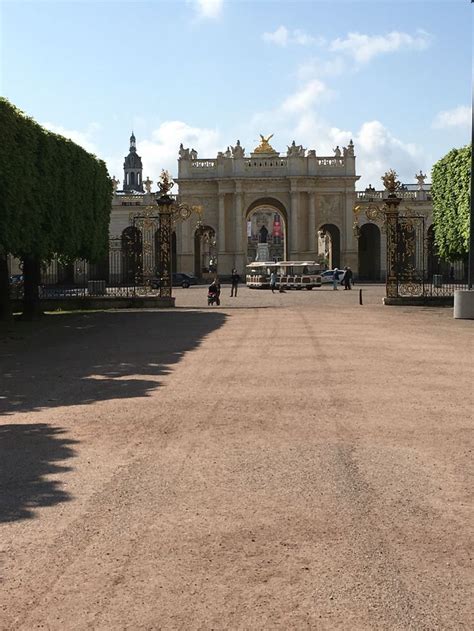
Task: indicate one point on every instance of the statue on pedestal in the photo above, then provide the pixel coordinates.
(295, 150)
(193, 154)
(183, 153)
(263, 234)
(115, 184)
(148, 184)
(264, 146)
(337, 152)
(421, 180)
(238, 151)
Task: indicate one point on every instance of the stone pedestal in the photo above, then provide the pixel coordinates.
(464, 304)
(263, 252)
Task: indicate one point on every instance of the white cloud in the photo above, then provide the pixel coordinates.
(279, 37)
(306, 97)
(302, 38)
(379, 150)
(457, 117)
(316, 67)
(161, 151)
(82, 138)
(208, 8)
(363, 48)
(283, 37)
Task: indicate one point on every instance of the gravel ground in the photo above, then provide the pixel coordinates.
(286, 461)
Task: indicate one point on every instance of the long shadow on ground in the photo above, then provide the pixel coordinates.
(74, 359)
(29, 453)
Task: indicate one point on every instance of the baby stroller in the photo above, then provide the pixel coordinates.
(213, 295)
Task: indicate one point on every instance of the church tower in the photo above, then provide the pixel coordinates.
(132, 169)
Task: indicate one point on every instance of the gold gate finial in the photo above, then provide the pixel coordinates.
(390, 181)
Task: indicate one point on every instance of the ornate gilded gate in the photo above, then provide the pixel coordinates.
(155, 224)
(406, 257)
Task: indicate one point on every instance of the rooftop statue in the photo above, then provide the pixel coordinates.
(238, 151)
(295, 150)
(193, 154)
(148, 184)
(115, 183)
(264, 146)
(420, 178)
(183, 153)
(337, 152)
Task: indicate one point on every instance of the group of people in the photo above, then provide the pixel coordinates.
(214, 291)
(346, 279)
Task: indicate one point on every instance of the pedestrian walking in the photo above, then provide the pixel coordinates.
(347, 278)
(335, 278)
(273, 281)
(234, 279)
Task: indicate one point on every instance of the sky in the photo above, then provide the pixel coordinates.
(394, 76)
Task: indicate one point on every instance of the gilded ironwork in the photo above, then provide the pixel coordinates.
(390, 181)
(406, 240)
(170, 212)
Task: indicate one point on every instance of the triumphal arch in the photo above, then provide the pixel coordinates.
(296, 201)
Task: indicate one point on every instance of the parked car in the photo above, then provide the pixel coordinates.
(16, 285)
(183, 280)
(179, 280)
(328, 275)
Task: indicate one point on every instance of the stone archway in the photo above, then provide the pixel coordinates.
(369, 252)
(205, 251)
(330, 242)
(266, 219)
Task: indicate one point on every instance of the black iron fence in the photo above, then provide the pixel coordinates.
(120, 274)
(443, 278)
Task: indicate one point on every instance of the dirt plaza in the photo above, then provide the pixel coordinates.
(285, 461)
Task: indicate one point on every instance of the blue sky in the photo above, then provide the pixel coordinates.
(394, 76)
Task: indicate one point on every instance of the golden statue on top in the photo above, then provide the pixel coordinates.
(390, 181)
(264, 146)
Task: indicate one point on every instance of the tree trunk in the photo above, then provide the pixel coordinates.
(5, 302)
(32, 279)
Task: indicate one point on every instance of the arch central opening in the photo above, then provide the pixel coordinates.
(266, 233)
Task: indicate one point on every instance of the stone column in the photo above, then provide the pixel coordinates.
(221, 226)
(312, 247)
(294, 224)
(238, 222)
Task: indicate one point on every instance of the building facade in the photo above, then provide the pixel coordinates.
(298, 203)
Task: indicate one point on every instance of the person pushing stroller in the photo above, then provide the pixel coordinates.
(213, 293)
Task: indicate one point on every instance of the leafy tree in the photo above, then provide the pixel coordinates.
(451, 178)
(55, 201)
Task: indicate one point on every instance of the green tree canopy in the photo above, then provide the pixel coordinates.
(451, 178)
(55, 196)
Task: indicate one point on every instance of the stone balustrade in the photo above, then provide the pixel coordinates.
(258, 166)
(203, 164)
(370, 196)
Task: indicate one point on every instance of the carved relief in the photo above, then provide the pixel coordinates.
(329, 206)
